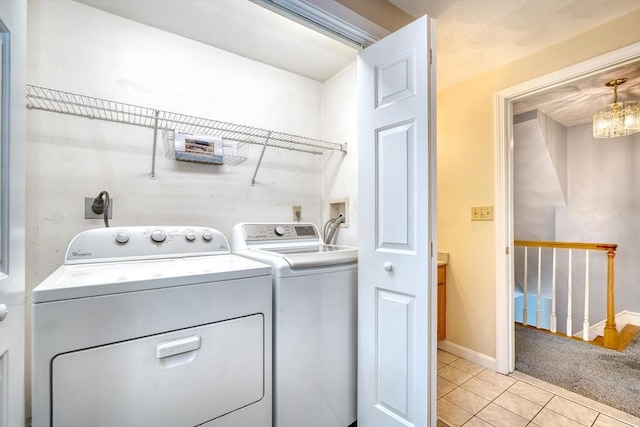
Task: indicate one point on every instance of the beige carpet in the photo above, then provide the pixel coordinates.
(606, 376)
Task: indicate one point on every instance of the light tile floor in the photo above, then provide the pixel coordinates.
(472, 396)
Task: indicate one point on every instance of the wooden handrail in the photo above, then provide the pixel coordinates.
(610, 329)
(567, 245)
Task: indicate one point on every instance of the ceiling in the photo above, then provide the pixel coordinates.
(573, 103)
(243, 28)
(473, 36)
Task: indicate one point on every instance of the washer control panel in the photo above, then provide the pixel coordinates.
(284, 231)
(138, 243)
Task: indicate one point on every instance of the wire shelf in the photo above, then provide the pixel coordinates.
(41, 98)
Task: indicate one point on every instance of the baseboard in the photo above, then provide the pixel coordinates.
(627, 318)
(622, 319)
(468, 354)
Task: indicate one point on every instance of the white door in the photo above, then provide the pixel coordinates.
(396, 267)
(13, 15)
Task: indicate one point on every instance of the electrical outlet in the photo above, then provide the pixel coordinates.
(297, 213)
(89, 214)
(482, 213)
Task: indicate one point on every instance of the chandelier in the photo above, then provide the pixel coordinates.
(617, 119)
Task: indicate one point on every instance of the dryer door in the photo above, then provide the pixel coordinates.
(182, 378)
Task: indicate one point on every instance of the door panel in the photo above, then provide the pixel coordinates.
(396, 281)
(395, 345)
(395, 80)
(396, 210)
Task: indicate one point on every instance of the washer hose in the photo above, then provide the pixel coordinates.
(330, 228)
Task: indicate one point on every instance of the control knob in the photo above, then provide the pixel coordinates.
(190, 235)
(158, 236)
(279, 230)
(122, 237)
(207, 236)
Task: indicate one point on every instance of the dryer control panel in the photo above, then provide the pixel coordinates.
(140, 243)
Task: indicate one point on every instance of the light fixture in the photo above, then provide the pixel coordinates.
(617, 119)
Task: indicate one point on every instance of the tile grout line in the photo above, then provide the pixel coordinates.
(504, 390)
(475, 415)
(575, 398)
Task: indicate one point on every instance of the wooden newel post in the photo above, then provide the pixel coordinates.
(610, 329)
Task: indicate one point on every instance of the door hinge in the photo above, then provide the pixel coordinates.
(507, 250)
(430, 56)
(431, 249)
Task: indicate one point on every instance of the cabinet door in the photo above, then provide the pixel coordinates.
(442, 302)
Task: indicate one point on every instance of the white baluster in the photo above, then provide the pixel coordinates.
(585, 323)
(569, 329)
(524, 306)
(554, 319)
(539, 303)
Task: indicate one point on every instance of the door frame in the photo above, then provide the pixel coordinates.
(504, 99)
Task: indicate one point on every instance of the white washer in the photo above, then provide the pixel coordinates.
(314, 322)
(153, 326)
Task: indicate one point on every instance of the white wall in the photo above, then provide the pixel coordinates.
(540, 177)
(79, 49)
(604, 207)
(555, 138)
(340, 172)
(539, 171)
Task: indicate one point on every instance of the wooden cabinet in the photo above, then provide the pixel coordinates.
(442, 302)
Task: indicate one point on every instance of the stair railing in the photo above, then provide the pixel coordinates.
(610, 329)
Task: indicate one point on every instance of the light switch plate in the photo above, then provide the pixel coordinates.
(482, 213)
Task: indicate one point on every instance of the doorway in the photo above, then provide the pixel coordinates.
(505, 336)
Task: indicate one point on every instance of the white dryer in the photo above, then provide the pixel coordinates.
(153, 326)
(314, 322)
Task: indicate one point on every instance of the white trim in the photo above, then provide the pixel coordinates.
(505, 332)
(468, 354)
(622, 319)
(627, 318)
(505, 347)
(330, 18)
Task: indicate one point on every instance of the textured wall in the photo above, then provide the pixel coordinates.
(339, 124)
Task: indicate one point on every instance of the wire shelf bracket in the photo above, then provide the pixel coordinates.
(53, 100)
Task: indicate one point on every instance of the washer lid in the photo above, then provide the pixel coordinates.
(90, 280)
(312, 255)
